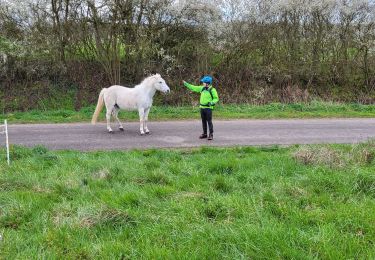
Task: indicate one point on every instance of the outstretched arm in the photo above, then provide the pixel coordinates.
(192, 87)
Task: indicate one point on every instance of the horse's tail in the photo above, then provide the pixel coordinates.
(99, 107)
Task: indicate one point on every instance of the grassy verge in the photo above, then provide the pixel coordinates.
(301, 202)
(271, 111)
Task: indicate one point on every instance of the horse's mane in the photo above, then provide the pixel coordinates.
(146, 80)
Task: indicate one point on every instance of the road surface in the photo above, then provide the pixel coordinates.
(85, 137)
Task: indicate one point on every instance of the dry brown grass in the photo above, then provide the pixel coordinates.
(329, 155)
(310, 155)
(102, 174)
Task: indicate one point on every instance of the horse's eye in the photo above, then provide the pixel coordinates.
(160, 82)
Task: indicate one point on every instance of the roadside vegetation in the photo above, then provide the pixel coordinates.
(299, 202)
(258, 52)
(270, 111)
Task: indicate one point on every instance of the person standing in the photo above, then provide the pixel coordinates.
(208, 99)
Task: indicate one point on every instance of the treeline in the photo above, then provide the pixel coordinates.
(258, 51)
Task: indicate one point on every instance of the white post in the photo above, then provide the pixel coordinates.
(7, 140)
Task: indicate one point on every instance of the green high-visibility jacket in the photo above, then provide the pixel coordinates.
(206, 100)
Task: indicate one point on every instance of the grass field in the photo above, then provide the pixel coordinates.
(301, 202)
(271, 111)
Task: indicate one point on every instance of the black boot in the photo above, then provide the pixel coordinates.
(210, 137)
(203, 136)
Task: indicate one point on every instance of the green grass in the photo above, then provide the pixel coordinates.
(301, 202)
(271, 111)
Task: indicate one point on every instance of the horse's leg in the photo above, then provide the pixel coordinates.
(110, 106)
(108, 117)
(147, 110)
(115, 114)
(141, 112)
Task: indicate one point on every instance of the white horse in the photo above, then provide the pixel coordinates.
(138, 98)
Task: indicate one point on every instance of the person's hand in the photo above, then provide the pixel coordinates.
(183, 82)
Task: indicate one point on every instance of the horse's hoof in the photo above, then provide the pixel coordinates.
(121, 129)
(110, 131)
(142, 133)
(148, 132)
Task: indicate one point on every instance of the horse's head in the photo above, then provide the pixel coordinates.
(159, 84)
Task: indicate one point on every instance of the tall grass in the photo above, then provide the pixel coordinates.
(208, 203)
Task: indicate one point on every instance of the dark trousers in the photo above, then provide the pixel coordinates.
(206, 115)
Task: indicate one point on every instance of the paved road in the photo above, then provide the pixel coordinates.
(184, 134)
